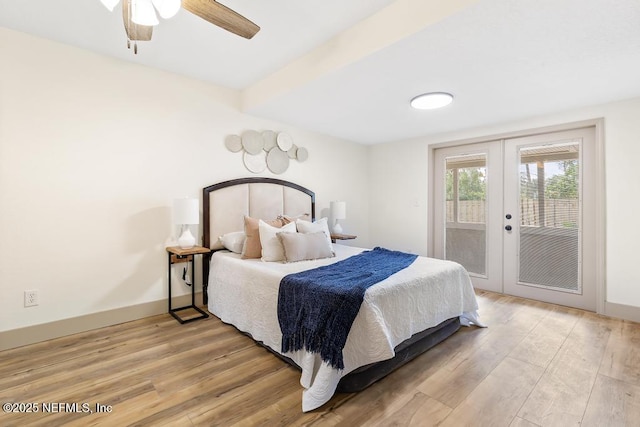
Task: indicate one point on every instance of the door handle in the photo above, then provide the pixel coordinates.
(508, 228)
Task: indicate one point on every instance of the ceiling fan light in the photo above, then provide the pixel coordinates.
(110, 4)
(143, 13)
(432, 100)
(167, 8)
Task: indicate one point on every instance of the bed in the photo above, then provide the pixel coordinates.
(400, 317)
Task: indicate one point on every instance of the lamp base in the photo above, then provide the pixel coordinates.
(337, 228)
(186, 240)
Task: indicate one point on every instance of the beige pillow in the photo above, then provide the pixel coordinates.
(252, 247)
(301, 247)
(314, 227)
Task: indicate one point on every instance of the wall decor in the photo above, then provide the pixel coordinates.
(233, 143)
(255, 163)
(252, 142)
(266, 149)
(302, 154)
(285, 142)
(269, 138)
(293, 151)
(277, 160)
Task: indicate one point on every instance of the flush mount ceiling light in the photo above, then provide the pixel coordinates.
(432, 100)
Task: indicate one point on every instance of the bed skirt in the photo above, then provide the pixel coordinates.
(364, 376)
(406, 351)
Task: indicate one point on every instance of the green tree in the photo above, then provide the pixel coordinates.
(563, 186)
(471, 184)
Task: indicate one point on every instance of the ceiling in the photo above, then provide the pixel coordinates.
(350, 68)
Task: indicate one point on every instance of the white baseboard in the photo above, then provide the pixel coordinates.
(622, 311)
(60, 328)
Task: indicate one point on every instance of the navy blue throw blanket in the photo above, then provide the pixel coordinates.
(317, 307)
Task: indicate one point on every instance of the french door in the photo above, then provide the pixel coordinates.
(519, 215)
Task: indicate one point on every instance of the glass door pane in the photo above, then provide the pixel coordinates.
(550, 216)
(466, 211)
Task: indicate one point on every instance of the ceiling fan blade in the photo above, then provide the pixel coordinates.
(222, 16)
(134, 31)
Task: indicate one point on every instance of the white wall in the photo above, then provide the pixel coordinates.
(89, 153)
(399, 179)
(93, 151)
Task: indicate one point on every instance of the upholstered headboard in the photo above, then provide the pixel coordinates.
(225, 204)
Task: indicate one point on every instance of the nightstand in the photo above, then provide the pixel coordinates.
(340, 236)
(178, 255)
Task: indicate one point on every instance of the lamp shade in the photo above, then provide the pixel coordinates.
(143, 13)
(110, 4)
(186, 211)
(167, 8)
(339, 210)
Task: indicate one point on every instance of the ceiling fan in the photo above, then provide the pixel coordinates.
(140, 16)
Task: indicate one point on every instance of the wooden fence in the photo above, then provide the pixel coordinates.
(561, 213)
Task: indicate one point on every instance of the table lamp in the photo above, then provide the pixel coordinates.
(338, 212)
(186, 212)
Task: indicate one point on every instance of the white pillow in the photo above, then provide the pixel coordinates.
(305, 246)
(233, 241)
(313, 227)
(271, 247)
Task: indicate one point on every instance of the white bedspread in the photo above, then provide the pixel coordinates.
(245, 293)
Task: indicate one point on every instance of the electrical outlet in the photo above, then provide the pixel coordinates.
(30, 298)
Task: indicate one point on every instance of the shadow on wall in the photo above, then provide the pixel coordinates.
(147, 229)
(326, 212)
(145, 258)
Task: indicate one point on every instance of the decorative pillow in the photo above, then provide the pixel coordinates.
(233, 241)
(314, 227)
(271, 247)
(301, 247)
(252, 247)
(288, 218)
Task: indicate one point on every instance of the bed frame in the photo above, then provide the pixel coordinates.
(224, 207)
(225, 204)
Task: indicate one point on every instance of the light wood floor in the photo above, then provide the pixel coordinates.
(536, 364)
